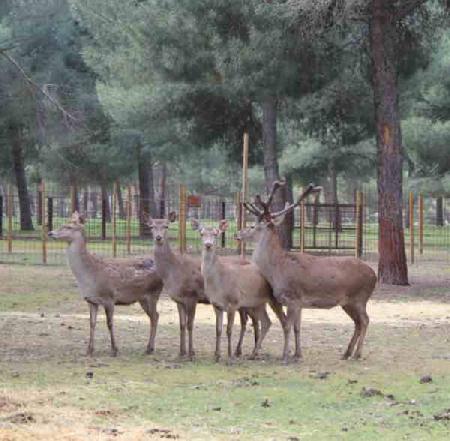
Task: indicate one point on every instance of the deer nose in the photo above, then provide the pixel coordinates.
(50, 234)
(208, 245)
(158, 238)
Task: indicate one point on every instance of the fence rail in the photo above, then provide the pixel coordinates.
(115, 226)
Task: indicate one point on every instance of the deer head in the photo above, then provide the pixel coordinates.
(209, 234)
(160, 227)
(72, 230)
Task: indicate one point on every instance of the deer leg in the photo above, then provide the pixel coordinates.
(230, 322)
(292, 313)
(297, 324)
(183, 322)
(353, 313)
(364, 323)
(265, 326)
(219, 326)
(243, 317)
(109, 311)
(148, 304)
(190, 324)
(255, 325)
(93, 309)
(277, 308)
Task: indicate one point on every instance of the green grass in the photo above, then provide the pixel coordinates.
(44, 328)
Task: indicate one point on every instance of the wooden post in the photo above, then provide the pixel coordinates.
(10, 219)
(114, 219)
(239, 213)
(129, 213)
(182, 219)
(302, 226)
(358, 226)
(421, 223)
(44, 225)
(411, 225)
(244, 196)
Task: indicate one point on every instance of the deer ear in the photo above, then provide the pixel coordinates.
(223, 225)
(172, 216)
(195, 224)
(278, 220)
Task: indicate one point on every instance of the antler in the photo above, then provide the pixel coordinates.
(309, 190)
(253, 208)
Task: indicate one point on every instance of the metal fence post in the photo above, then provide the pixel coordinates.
(50, 214)
(223, 215)
(44, 225)
(302, 226)
(104, 201)
(182, 219)
(114, 219)
(10, 219)
(129, 213)
(358, 228)
(1, 216)
(421, 225)
(411, 225)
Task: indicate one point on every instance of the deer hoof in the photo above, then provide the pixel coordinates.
(238, 353)
(89, 352)
(114, 352)
(297, 358)
(149, 351)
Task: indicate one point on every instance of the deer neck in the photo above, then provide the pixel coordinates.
(79, 258)
(268, 255)
(210, 262)
(165, 259)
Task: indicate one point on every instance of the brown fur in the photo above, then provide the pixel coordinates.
(305, 281)
(232, 285)
(110, 282)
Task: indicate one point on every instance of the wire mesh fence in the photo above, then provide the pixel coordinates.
(115, 225)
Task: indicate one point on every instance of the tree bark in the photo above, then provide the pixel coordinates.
(440, 211)
(26, 222)
(146, 196)
(392, 265)
(85, 200)
(105, 198)
(271, 170)
(122, 214)
(162, 190)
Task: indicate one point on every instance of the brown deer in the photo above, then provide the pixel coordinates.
(306, 281)
(109, 282)
(232, 285)
(184, 283)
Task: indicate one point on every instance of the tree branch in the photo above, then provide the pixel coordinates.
(4, 53)
(407, 8)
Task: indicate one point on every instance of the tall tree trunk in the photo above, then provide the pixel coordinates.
(94, 204)
(162, 190)
(271, 171)
(85, 200)
(74, 195)
(105, 198)
(26, 222)
(122, 214)
(392, 265)
(144, 194)
(440, 211)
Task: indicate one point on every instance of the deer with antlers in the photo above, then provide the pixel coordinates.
(306, 281)
(110, 282)
(234, 285)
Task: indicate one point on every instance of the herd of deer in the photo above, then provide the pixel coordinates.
(273, 276)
